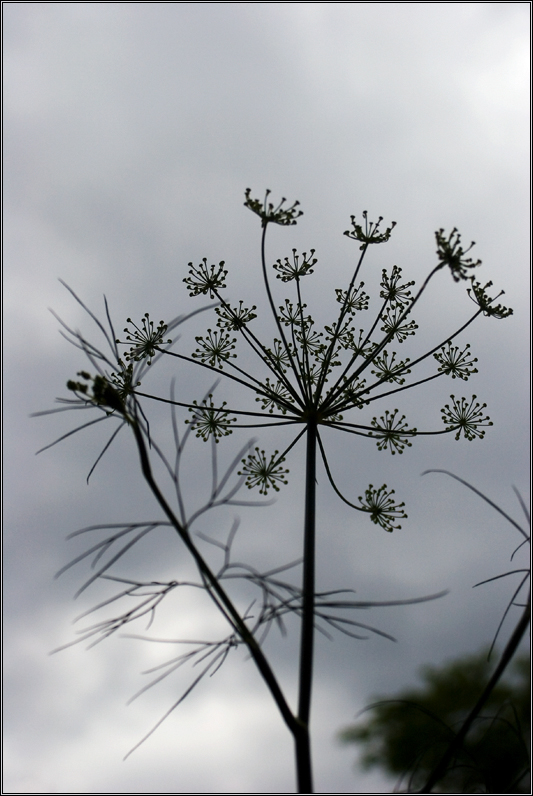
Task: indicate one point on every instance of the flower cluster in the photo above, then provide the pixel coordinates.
(354, 300)
(391, 291)
(478, 295)
(272, 215)
(279, 356)
(370, 234)
(104, 394)
(386, 370)
(314, 375)
(234, 319)
(288, 271)
(362, 347)
(215, 348)
(293, 315)
(466, 418)
(277, 397)
(262, 473)
(456, 363)
(209, 421)
(353, 392)
(451, 253)
(392, 433)
(382, 509)
(204, 279)
(395, 325)
(145, 340)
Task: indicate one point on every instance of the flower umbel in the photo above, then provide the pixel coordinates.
(392, 433)
(288, 271)
(395, 326)
(278, 397)
(292, 315)
(263, 474)
(104, 393)
(215, 348)
(145, 341)
(451, 253)
(478, 295)
(466, 418)
(356, 300)
(387, 370)
(270, 214)
(205, 279)
(456, 363)
(382, 508)
(315, 374)
(371, 233)
(234, 319)
(208, 421)
(353, 393)
(362, 347)
(279, 357)
(397, 295)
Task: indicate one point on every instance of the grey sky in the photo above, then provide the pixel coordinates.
(131, 132)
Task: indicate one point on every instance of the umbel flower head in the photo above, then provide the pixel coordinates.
(285, 216)
(456, 363)
(262, 472)
(145, 339)
(204, 279)
(215, 348)
(451, 253)
(370, 233)
(392, 433)
(382, 509)
(479, 296)
(310, 378)
(466, 417)
(209, 421)
(299, 267)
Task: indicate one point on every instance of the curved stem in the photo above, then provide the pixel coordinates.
(336, 389)
(215, 408)
(274, 313)
(330, 477)
(484, 497)
(338, 325)
(262, 352)
(217, 593)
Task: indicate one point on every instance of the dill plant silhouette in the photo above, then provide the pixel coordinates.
(307, 380)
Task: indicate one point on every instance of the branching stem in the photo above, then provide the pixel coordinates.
(216, 591)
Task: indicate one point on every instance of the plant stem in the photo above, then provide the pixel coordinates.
(303, 746)
(216, 591)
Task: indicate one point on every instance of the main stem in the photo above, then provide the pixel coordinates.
(302, 739)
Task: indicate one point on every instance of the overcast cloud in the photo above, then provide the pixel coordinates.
(131, 132)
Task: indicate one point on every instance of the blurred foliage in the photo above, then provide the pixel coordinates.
(408, 734)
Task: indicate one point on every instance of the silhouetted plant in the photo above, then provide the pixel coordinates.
(307, 378)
